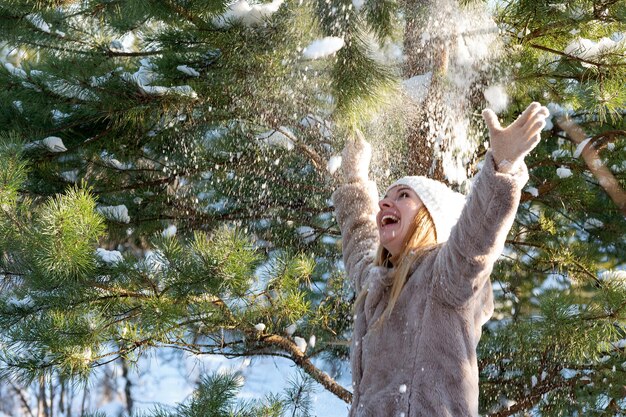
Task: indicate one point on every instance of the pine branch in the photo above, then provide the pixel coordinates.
(535, 395)
(575, 58)
(177, 8)
(315, 159)
(305, 363)
(605, 177)
(542, 190)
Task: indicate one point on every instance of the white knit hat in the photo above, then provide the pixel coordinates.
(443, 204)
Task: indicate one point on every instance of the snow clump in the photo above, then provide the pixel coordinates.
(109, 256)
(358, 4)
(568, 373)
(188, 70)
(581, 147)
(115, 213)
(170, 231)
(321, 48)
(592, 223)
(58, 116)
(51, 143)
(589, 50)
(300, 343)
(13, 70)
(277, 138)
(38, 22)
(291, 329)
(183, 90)
(125, 44)
(613, 275)
(532, 191)
(259, 327)
(307, 233)
(250, 15)
(70, 176)
(54, 144)
(146, 75)
(564, 172)
(25, 302)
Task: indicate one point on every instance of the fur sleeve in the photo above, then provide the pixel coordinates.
(356, 205)
(465, 261)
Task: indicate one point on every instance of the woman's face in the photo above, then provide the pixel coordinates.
(397, 211)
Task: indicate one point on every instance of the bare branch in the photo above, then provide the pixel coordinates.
(573, 57)
(605, 177)
(305, 363)
(23, 398)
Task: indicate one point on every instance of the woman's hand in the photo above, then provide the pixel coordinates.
(355, 158)
(509, 146)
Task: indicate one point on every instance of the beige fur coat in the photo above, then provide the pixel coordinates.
(422, 360)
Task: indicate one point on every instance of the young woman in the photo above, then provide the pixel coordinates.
(420, 260)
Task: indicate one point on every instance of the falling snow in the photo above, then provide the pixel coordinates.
(417, 87)
(333, 164)
(497, 98)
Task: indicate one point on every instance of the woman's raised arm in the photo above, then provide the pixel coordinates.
(356, 205)
(464, 263)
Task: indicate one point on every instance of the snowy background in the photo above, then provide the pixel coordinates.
(167, 379)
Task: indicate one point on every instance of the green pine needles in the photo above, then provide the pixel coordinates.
(166, 170)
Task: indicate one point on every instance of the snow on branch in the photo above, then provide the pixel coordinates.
(250, 15)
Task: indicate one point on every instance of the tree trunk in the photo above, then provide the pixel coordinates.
(42, 403)
(127, 387)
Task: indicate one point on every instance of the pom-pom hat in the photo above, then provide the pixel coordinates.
(443, 204)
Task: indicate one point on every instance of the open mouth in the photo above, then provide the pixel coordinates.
(389, 219)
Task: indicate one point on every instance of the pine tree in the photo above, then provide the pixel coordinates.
(186, 142)
(165, 183)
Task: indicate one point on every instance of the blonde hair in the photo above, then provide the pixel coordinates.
(421, 237)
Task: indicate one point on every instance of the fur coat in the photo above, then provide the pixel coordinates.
(421, 361)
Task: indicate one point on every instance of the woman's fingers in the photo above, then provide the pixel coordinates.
(530, 111)
(537, 122)
(536, 127)
(492, 121)
(534, 141)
